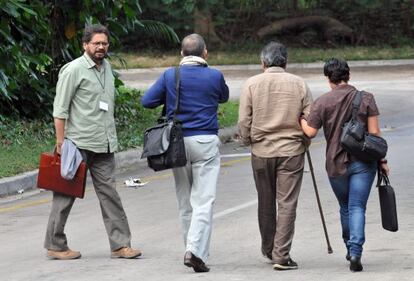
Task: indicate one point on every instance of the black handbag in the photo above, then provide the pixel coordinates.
(357, 141)
(164, 143)
(388, 203)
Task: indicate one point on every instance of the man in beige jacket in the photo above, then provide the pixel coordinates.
(270, 107)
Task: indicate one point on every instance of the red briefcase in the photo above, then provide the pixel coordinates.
(49, 176)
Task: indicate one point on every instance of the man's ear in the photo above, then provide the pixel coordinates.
(182, 54)
(84, 46)
(205, 54)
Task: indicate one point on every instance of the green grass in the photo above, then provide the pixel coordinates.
(228, 113)
(250, 55)
(17, 159)
(22, 142)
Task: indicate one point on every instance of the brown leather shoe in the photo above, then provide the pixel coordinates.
(126, 253)
(63, 255)
(196, 263)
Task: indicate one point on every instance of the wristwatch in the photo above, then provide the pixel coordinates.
(383, 161)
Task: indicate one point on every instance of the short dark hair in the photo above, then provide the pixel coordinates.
(193, 45)
(336, 70)
(91, 30)
(274, 54)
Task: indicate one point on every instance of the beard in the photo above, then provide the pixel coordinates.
(97, 56)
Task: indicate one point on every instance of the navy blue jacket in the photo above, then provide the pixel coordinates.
(201, 90)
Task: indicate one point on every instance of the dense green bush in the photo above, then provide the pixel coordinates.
(39, 36)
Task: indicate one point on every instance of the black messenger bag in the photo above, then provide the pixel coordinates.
(357, 141)
(164, 143)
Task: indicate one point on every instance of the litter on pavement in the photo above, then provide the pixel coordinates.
(134, 182)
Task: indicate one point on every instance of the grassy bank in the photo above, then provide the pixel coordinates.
(250, 55)
(21, 142)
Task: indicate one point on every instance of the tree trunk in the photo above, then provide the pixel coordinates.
(204, 26)
(327, 26)
(294, 5)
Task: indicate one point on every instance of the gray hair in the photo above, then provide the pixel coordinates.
(193, 45)
(91, 30)
(274, 54)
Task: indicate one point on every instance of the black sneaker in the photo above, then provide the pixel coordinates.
(289, 265)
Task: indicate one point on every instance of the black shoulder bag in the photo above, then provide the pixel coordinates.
(357, 141)
(164, 143)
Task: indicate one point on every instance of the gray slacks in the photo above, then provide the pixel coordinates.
(101, 167)
(278, 180)
(195, 186)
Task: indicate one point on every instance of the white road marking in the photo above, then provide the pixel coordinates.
(235, 155)
(235, 209)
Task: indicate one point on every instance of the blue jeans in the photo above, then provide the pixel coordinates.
(352, 191)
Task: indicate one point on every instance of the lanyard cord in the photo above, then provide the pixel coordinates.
(96, 75)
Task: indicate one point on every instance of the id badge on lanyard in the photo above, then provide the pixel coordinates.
(103, 106)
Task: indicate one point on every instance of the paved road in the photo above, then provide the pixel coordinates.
(235, 250)
(363, 72)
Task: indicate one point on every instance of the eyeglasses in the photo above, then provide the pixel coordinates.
(97, 44)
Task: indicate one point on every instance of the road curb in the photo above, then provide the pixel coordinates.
(312, 65)
(124, 160)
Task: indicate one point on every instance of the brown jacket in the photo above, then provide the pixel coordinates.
(270, 106)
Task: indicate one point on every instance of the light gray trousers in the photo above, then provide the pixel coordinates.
(101, 167)
(196, 192)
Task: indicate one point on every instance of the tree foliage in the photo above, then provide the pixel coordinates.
(236, 21)
(39, 36)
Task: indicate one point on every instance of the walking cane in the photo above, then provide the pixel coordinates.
(319, 201)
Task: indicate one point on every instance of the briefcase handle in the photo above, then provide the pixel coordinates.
(382, 178)
(56, 157)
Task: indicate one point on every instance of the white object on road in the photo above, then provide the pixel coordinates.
(136, 182)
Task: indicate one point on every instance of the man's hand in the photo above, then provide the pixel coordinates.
(59, 148)
(242, 142)
(307, 141)
(236, 137)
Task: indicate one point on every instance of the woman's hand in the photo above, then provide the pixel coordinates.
(384, 168)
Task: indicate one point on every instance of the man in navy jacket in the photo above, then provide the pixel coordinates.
(201, 90)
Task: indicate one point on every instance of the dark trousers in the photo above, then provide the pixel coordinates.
(278, 181)
(101, 167)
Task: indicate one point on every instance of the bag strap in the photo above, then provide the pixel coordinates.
(356, 103)
(177, 100)
(177, 90)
